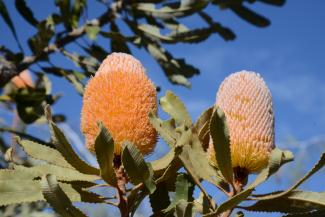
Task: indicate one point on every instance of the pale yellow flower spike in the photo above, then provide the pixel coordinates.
(247, 104)
(121, 96)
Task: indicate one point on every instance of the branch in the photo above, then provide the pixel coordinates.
(105, 18)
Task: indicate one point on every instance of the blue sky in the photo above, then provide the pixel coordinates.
(289, 55)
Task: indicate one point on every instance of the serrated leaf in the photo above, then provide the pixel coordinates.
(136, 168)
(19, 191)
(56, 197)
(195, 161)
(45, 153)
(159, 200)
(166, 129)
(319, 213)
(62, 173)
(172, 105)
(293, 202)
(104, 148)
(63, 146)
(160, 165)
(277, 159)
(184, 188)
(26, 12)
(202, 127)
(19, 187)
(221, 143)
(319, 165)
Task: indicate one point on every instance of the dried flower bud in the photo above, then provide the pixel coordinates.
(247, 104)
(23, 80)
(121, 96)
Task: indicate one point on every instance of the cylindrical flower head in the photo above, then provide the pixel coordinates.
(247, 104)
(121, 96)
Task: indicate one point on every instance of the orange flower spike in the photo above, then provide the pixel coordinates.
(121, 96)
(23, 80)
(247, 104)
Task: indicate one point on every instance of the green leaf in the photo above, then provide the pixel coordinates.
(159, 200)
(184, 209)
(136, 168)
(118, 45)
(65, 13)
(63, 146)
(42, 152)
(19, 191)
(92, 31)
(202, 127)
(293, 202)
(6, 17)
(277, 159)
(221, 143)
(74, 77)
(19, 187)
(160, 165)
(172, 105)
(26, 12)
(41, 39)
(56, 197)
(319, 165)
(166, 129)
(62, 173)
(250, 16)
(171, 10)
(319, 213)
(76, 11)
(104, 148)
(184, 191)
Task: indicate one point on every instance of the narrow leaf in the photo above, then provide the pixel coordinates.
(221, 143)
(250, 16)
(104, 148)
(166, 129)
(26, 12)
(136, 168)
(6, 17)
(56, 197)
(184, 191)
(172, 105)
(42, 152)
(293, 202)
(62, 144)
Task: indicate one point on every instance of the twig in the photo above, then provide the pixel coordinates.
(106, 17)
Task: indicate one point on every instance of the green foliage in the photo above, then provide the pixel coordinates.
(147, 22)
(55, 173)
(61, 177)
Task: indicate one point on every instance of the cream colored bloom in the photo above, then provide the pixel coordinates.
(121, 96)
(247, 104)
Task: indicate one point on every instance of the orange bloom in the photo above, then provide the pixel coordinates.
(121, 96)
(23, 80)
(247, 104)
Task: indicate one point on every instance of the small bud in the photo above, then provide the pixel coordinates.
(120, 96)
(247, 104)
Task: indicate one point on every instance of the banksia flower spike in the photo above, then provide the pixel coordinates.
(23, 80)
(247, 104)
(120, 95)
